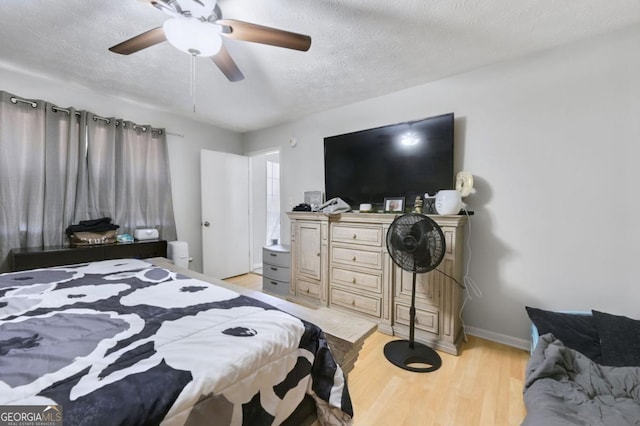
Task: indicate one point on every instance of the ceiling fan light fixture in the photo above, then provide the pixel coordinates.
(193, 36)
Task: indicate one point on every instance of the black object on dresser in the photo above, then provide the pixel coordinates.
(42, 257)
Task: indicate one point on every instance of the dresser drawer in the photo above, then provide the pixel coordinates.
(355, 257)
(276, 255)
(362, 280)
(425, 320)
(308, 289)
(356, 302)
(365, 235)
(275, 286)
(278, 273)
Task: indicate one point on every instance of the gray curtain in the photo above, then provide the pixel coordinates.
(101, 165)
(129, 178)
(65, 172)
(143, 179)
(40, 174)
(59, 166)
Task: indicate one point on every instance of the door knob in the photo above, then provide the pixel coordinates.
(206, 224)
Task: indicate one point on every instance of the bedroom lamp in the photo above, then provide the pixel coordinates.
(193, 36)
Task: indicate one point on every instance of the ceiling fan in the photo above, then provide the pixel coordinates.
(196, 28)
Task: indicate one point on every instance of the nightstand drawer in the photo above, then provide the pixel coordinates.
(349, 256)
(278, 273)
(356, 302)
(366, 235)
(278, 255)
(425, 320)
(362, 280)
(275, 286)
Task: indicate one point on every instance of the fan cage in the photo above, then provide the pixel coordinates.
(410, 228)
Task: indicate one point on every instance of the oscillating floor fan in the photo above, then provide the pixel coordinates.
(416, 244)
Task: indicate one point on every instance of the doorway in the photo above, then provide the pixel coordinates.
(264, 195)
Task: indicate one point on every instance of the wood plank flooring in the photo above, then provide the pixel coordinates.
(252, 281)
(482, 386)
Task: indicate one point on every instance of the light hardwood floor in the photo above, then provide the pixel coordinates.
(252, 281)
(482, 386)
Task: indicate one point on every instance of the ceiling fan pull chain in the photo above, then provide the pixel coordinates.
(193, 82)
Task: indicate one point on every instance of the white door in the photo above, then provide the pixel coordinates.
(225, 213)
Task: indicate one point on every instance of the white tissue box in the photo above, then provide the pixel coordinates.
(146, 234)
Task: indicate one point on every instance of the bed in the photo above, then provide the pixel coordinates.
(584, 369)
(131, 342)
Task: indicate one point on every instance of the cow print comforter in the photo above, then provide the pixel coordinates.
(125, 342)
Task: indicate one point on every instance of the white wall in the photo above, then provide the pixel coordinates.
(553, 142)
(184, 151)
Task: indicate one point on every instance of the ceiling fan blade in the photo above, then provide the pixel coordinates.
(228, 67)
(246, 31)
(139, 42)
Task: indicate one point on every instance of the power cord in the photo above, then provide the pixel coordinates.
(468, 286)
(451, 278)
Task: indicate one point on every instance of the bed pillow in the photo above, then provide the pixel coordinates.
(619, 339)
(576, 331)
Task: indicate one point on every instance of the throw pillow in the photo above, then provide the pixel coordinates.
(576, 331)
(619, 339)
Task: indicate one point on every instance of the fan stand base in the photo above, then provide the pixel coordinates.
(401, 354)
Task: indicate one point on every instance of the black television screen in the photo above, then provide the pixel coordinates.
(400, 160)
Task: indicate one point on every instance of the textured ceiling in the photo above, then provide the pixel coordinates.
(360, 49)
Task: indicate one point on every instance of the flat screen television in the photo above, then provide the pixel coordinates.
(399, 160)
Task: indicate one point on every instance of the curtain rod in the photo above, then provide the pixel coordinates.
(107, 120)
(15, 100)
(54, 108)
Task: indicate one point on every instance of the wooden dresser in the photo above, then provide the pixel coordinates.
(342, 262)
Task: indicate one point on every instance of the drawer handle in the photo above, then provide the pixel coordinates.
(353, 281)
(318, 254)
(272, 254)
(307, 290)
(274, 283)
(355, 236)
(353, 303)
(274, 269)
(353, 258)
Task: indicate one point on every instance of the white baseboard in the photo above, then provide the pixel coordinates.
(499, 338)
